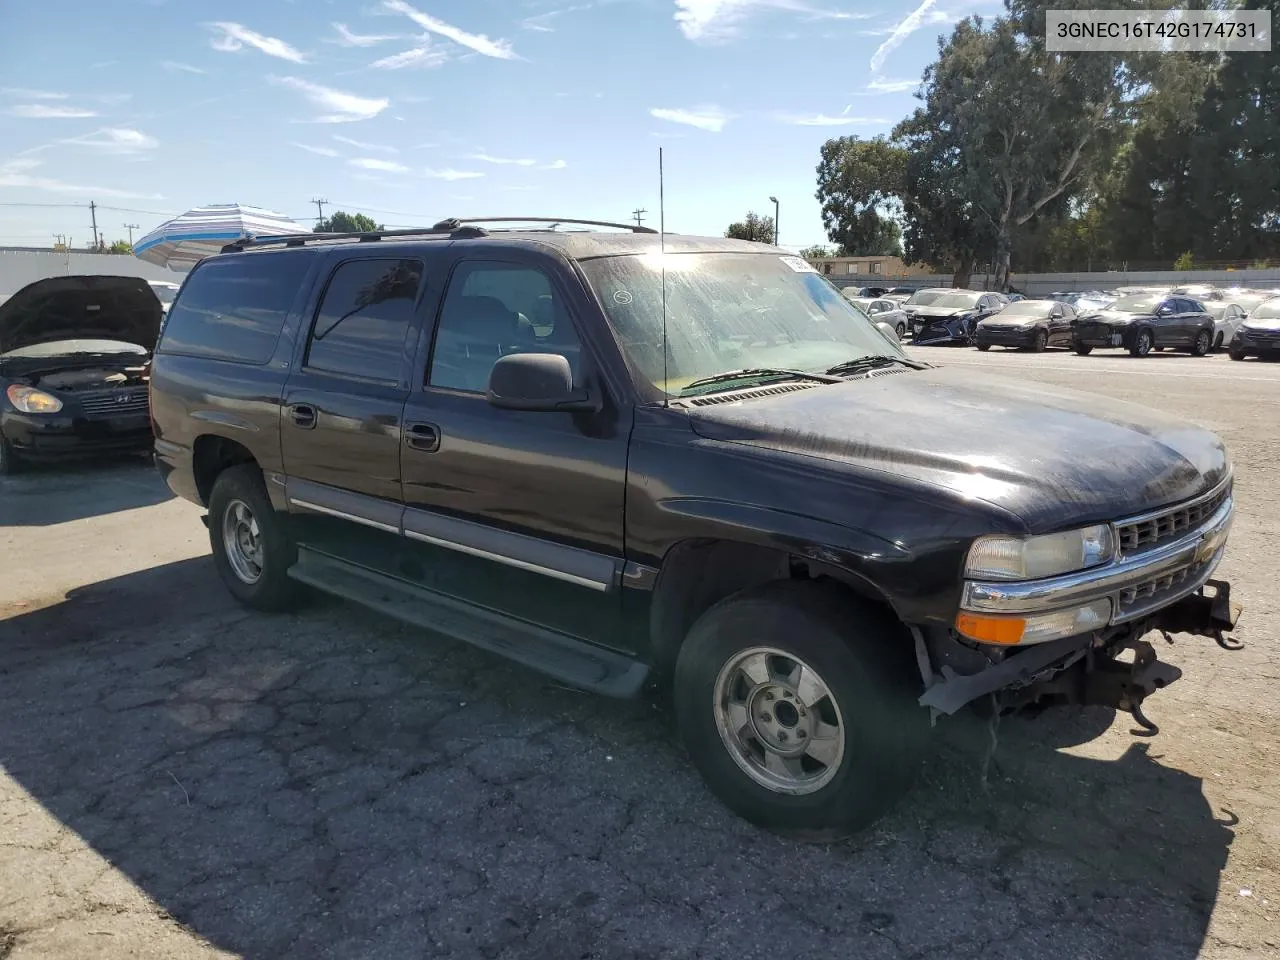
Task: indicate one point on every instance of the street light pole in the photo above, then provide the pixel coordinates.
(775, 220)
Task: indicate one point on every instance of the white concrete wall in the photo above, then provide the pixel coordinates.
(20, 267)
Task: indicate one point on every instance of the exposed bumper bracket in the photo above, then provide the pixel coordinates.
(1204, 615)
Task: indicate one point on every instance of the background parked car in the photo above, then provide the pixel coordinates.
(1199, 291)
(882, 310)
(1259, 335)
(1029, 324)
(1227, 318)
(952, 317)
(901, 294)
(1142, 322)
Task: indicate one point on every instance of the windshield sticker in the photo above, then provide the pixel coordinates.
(798, 264)
(622, 297)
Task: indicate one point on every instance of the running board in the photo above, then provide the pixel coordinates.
(565, 658)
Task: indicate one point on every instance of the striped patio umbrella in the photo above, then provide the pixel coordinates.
(202, 232)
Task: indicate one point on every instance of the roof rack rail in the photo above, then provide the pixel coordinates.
(444, 228)
(633, 227)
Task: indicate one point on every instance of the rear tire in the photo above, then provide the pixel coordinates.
(1082, 348)
(840, 668)
(1201, 345)
(902, 331)
(251, 547)
(1142, 344)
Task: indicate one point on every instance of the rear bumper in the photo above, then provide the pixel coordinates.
(177, 468)
(41, 437)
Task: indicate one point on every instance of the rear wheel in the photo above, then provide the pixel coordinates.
(797, 705)
(902, 331)
(1142, 344)
(1040, 341)
(1082, 348)
(1235, 354)
(251, 548)
(1201, 345)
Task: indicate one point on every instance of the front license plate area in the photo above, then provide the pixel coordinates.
(1115, 339)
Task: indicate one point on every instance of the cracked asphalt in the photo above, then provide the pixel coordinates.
(180, 778)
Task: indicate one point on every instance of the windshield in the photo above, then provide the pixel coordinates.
(1139, 303)
(923, 297)
(1267, 311)
(67, 348)
(729, 311)
(956, 300)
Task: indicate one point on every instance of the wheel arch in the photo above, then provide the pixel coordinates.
(211, 454)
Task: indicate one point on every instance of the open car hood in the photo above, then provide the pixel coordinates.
(81, 308)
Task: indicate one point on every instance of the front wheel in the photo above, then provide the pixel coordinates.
(1040, 342)
(1201, 345)
(251, 547)
(1082, 348)
(984, 347)
(798, 706)
(1142, 344)
(1235, 354)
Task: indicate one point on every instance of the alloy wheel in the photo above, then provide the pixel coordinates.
(242, 541)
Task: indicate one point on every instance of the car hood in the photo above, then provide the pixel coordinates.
(1116, 317)
(940, 313)
(1054, 457)
(1262, 323)
(81, 308)
(995, 320)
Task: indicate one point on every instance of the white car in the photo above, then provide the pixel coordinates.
(1227, 318)
(882, 310)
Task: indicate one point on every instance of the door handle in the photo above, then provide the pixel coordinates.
(422, 436)
(304, 415)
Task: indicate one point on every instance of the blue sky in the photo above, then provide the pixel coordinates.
(413, 110)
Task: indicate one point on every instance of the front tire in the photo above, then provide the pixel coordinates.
(1201, 345)
(1040, 342)
(797, 704)
(1082, 348)
(1235, 354)
(251, 547)
(1142, 344)
(984, 347)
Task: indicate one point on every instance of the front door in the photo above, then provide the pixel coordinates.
(516, 511)
(343, 408)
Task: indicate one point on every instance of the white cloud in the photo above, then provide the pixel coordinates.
(45, 111)
(499, 49)
(704, 118)
(345, 107)
(348, 39)
(424, 56)
(26, 94)
(825, 120)
(502, 161)
(452, 174)
(711, 21)
(116, 140)
(318, 151)
(541, 23)
(907, 26)
(16, 173)
(556, 165)
(178, 65)
(878, 85)
(233, 37)
(362, 145)
(383, 166)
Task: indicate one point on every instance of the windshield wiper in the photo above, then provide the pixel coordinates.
(874, 360)
(748, 373)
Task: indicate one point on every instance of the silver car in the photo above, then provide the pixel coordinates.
(882, 310)
(1227, 318)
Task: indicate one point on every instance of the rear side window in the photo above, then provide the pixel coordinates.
(233, 308)
(366, 312)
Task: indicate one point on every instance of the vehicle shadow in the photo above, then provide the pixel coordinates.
(42, 495)
(328, 784)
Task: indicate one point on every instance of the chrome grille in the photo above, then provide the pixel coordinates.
(1150, 594)
(1160, 528)
(112, 403)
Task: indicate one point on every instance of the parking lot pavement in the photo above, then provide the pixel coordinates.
(181, 778)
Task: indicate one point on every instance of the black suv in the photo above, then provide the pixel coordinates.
(631, 460)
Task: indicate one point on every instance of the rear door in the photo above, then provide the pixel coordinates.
(343, 407)
(517, 511)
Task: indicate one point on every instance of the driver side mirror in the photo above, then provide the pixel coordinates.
(1165, 311)
(537, 382)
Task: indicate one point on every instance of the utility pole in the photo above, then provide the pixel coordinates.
(638, 215)
(320, 207)
(131, 227)
(93, 213)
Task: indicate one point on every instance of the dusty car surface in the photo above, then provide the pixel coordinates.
(74, 368)
(632, 462)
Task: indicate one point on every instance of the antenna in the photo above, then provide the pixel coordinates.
(662, 259)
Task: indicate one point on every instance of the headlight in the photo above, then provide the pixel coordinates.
(1033, 558)
(1034, 627)
(31, 400)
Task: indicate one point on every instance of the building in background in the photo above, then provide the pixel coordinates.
(867, 268)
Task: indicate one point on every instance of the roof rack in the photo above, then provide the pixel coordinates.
(460, 228)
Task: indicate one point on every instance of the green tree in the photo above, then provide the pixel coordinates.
(816, 252)
(1011, 127)
(860, 187)
(120, 246)
(1184, 262)
(343, 222)
(752, 227)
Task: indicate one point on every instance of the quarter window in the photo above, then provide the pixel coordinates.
(492, 310)
(367, 310)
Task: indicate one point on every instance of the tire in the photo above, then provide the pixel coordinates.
(238, 492)
(1217, 341)
(1142, 344)
(871, 685)
(901, 331)
(1081, 348)
(1235, 354)
(1202, 344)
(1040, 342)
(984, 347)
(9, 462)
